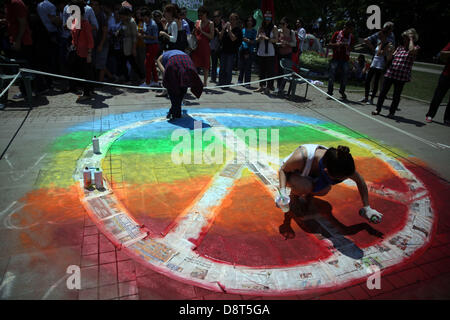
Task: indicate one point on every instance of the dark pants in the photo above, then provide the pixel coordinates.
(281, 82)
(214, 62)
(176, 99)
(134, 66)
(83, 70)
(373, 72)
(398, 88)
(335, 66)
(226, 68)
(266, 70)
(439, 94)
(245, 66)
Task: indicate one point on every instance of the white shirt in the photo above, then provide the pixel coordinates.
(262, 48)
(301, 37)
(172, 30)
(378, 61)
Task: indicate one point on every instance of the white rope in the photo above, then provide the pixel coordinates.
(144, 88)
(431, 144)
(10, 84)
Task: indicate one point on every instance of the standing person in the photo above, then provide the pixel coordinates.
(286, 41)
(129, 40)
(115, 56)
(83, 42)
(215, 45)
(204, 32)
(266, 38)
(342, 43)
(179, 74)
(19, 34)
(376, 67)
(101, 41)
(387, 33)
(140, 44)
(231, 37)
(171, 13)
(47, 55)
(188, 24)
(157, 15)
(399, 72)
(301, 36)
(150, 36)
(247, 50)
(441, 89)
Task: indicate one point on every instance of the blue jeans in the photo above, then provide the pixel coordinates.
(336, 65)
(226, 68)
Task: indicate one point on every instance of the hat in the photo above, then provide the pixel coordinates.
(157, 13)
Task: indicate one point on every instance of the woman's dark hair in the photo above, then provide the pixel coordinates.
(253, 21)
(202, 9)
(146, 13)
(284, 20)
(339, 162)
(173, 9)
(125, 11)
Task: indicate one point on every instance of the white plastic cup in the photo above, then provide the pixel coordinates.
(283, 203)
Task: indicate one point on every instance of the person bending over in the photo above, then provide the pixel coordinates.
(311, 170)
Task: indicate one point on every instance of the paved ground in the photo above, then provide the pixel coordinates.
(32, 265)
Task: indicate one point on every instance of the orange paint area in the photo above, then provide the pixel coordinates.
(379, 173)
(47, 218)
(245, 231)
(158, 205)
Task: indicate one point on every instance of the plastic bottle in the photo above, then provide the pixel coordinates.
(98, 175)
(87, 178)
(283, 203)
(373, 219)
(96, 145)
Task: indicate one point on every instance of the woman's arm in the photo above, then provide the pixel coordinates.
(159, 64)
(295, 162)
(362, 188)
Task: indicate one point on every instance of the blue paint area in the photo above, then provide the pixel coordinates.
(117, 120)
(250, 122)
(160, 130)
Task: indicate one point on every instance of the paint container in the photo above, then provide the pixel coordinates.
(98, 179)
(283, 203)
(87, 178)
(96, 145)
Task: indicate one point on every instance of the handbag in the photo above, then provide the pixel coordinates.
(192, 41)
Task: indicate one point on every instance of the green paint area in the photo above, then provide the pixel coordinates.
(71, 141)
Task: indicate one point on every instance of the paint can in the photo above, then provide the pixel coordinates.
(87, 178)
(98, 178)
(96, 145)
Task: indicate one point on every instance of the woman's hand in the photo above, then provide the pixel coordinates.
(89, 58)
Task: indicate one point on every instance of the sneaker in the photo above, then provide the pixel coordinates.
(364, 100)
(144, 85)
(429, 119)
(370, 102)
(344, 96)
(260, 89)
(154, 84)
(18, 96)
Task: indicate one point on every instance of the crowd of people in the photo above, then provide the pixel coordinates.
(119, 43)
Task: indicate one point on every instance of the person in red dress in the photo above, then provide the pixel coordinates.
(204, 32)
